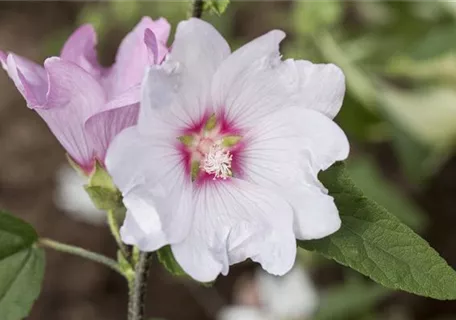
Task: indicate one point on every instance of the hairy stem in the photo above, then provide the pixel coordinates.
(197, 8)
(83, 253)
(138, 287)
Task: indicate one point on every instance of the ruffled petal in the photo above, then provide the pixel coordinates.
(235, 220)
(320, 87)
(72, 96)
(197, 51)
(290, 145)
(117, 114)
(253, 82)
(133, 56)
(30, 78)
(150, 174)
(286, 151)
(245, 86)
(80, 48)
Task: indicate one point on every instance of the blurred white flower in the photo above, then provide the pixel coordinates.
(72, 199)
(289, 297)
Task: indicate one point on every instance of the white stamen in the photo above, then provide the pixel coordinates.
(218, 162)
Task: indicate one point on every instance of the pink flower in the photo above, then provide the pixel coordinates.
(223, 163)
(84, 104)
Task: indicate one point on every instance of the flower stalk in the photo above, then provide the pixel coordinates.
(83, 253)
(197, 8)
(138, 287)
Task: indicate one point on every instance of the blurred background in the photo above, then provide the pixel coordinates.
(399, 59)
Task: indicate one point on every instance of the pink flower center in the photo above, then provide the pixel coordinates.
(208, 149)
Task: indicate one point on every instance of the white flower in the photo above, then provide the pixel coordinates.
(223, 162)
(71, 198)
(289, 297)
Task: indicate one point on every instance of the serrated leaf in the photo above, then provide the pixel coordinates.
(216, 6)
(375, 243)
(21, 267)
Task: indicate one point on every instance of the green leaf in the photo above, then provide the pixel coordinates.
(369, 179)
(216, 6)
(21, 267)
(166, 258)
(375, 243)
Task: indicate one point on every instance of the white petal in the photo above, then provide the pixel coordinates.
(319, 87)
(71, 198)
(253, 82)
(235, 220)
(242, 313)
(244, 86)
(142, 226)
(292, 296)
(286, 151)
(151, 177)
(181, 85)
(316, 215)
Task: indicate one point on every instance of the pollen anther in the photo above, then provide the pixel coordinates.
(217, 161)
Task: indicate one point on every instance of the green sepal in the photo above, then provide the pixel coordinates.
(186, 140)
(102, 190)
(166, 258)
(210, 123)
(125, 266)
(231, 141)
(75, 166)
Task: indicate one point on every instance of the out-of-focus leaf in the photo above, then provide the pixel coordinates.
(21, 267)
(366, 176)
(350, 300)
(311, 16)
(217, 7)
(428, 115)
(436, 42)
(359, 123)
(359, 84)
(375, 243)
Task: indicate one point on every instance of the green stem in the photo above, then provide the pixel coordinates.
(138, 287)
(77, 251)
(114, 227)
(197, 10)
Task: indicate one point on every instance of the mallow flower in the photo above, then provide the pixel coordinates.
(84, 104)
(223, 163)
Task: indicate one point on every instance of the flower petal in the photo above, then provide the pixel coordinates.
(80, 48)
(30, 78)
(245, 83)
(253, 82)
(133, 56)
(292, 296)
(286, 151)
(290, 144)
(197, 51)
(151, 177)
(235, 220)
(73, 96)
(241, 312)
(116, 115)
(319, 87)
